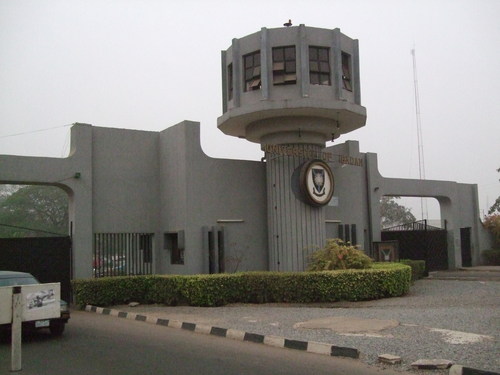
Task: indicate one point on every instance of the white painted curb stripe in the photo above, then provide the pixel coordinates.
(276, 341)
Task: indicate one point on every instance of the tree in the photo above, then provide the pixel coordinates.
(495, 208)
(392, 213)
(492, 223)
(42, 208)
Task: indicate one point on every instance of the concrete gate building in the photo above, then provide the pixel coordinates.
(155, 199)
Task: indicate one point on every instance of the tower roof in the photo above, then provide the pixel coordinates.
(288, 79)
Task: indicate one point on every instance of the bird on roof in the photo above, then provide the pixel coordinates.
(288, 24)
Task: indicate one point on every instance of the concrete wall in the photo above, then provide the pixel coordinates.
(358, 191)
(125, 169)
(198, 191)
(147, 182)
(350, 203)
(458, 203)
(126, 181)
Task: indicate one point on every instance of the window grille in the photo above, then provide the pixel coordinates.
(122, 254)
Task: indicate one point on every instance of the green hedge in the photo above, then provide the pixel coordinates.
(382, 280)
(418, 270)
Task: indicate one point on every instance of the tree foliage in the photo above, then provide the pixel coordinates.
(392, 213)
(495, 208)
(43, 208)
(492, 223)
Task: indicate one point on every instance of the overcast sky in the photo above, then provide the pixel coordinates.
(149, 64)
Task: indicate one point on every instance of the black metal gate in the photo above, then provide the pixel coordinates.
(46, 258)
(121, 254)
(419, 241)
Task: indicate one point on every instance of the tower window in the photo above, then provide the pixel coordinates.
(230, 81)
(346, 71)
(251, 64)
(319, 66)
(284, 65)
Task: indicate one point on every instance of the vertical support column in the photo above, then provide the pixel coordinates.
(264, 59)
(213, 254)
(373, 195)
(224, 81)
(296, 229)
(237, 73)
(356, 73)
(475, 238)
(304, 62)
(336, 65)
(450, 211)
(80, 192)
(17, 310)
(221, 249)
(206, 249)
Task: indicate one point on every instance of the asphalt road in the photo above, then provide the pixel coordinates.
(446, 318)
(97, 344)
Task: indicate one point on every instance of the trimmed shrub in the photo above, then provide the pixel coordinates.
(114, 290)
(382, 280)
(417, 268)
(491, 257)
(338, 255)
(166, 290)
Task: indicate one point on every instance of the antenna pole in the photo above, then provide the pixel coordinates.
(421, 161)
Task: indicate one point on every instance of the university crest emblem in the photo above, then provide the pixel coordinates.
(316, 183)
(318, 177)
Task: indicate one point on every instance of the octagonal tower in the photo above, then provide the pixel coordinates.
(292, 89)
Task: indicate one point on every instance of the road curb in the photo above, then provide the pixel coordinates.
(276, 341)
(461, 370)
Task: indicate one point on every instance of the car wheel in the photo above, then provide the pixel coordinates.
(56, 327)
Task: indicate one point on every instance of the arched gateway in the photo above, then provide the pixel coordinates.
(291, 89)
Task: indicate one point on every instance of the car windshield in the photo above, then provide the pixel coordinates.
(22, 280)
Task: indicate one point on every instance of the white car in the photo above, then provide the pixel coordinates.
(55, 325)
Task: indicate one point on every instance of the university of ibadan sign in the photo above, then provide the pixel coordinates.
(293, 150)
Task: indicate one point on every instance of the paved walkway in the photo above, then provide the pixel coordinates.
(453, 315)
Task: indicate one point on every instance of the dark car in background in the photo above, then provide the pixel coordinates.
(55, 325)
